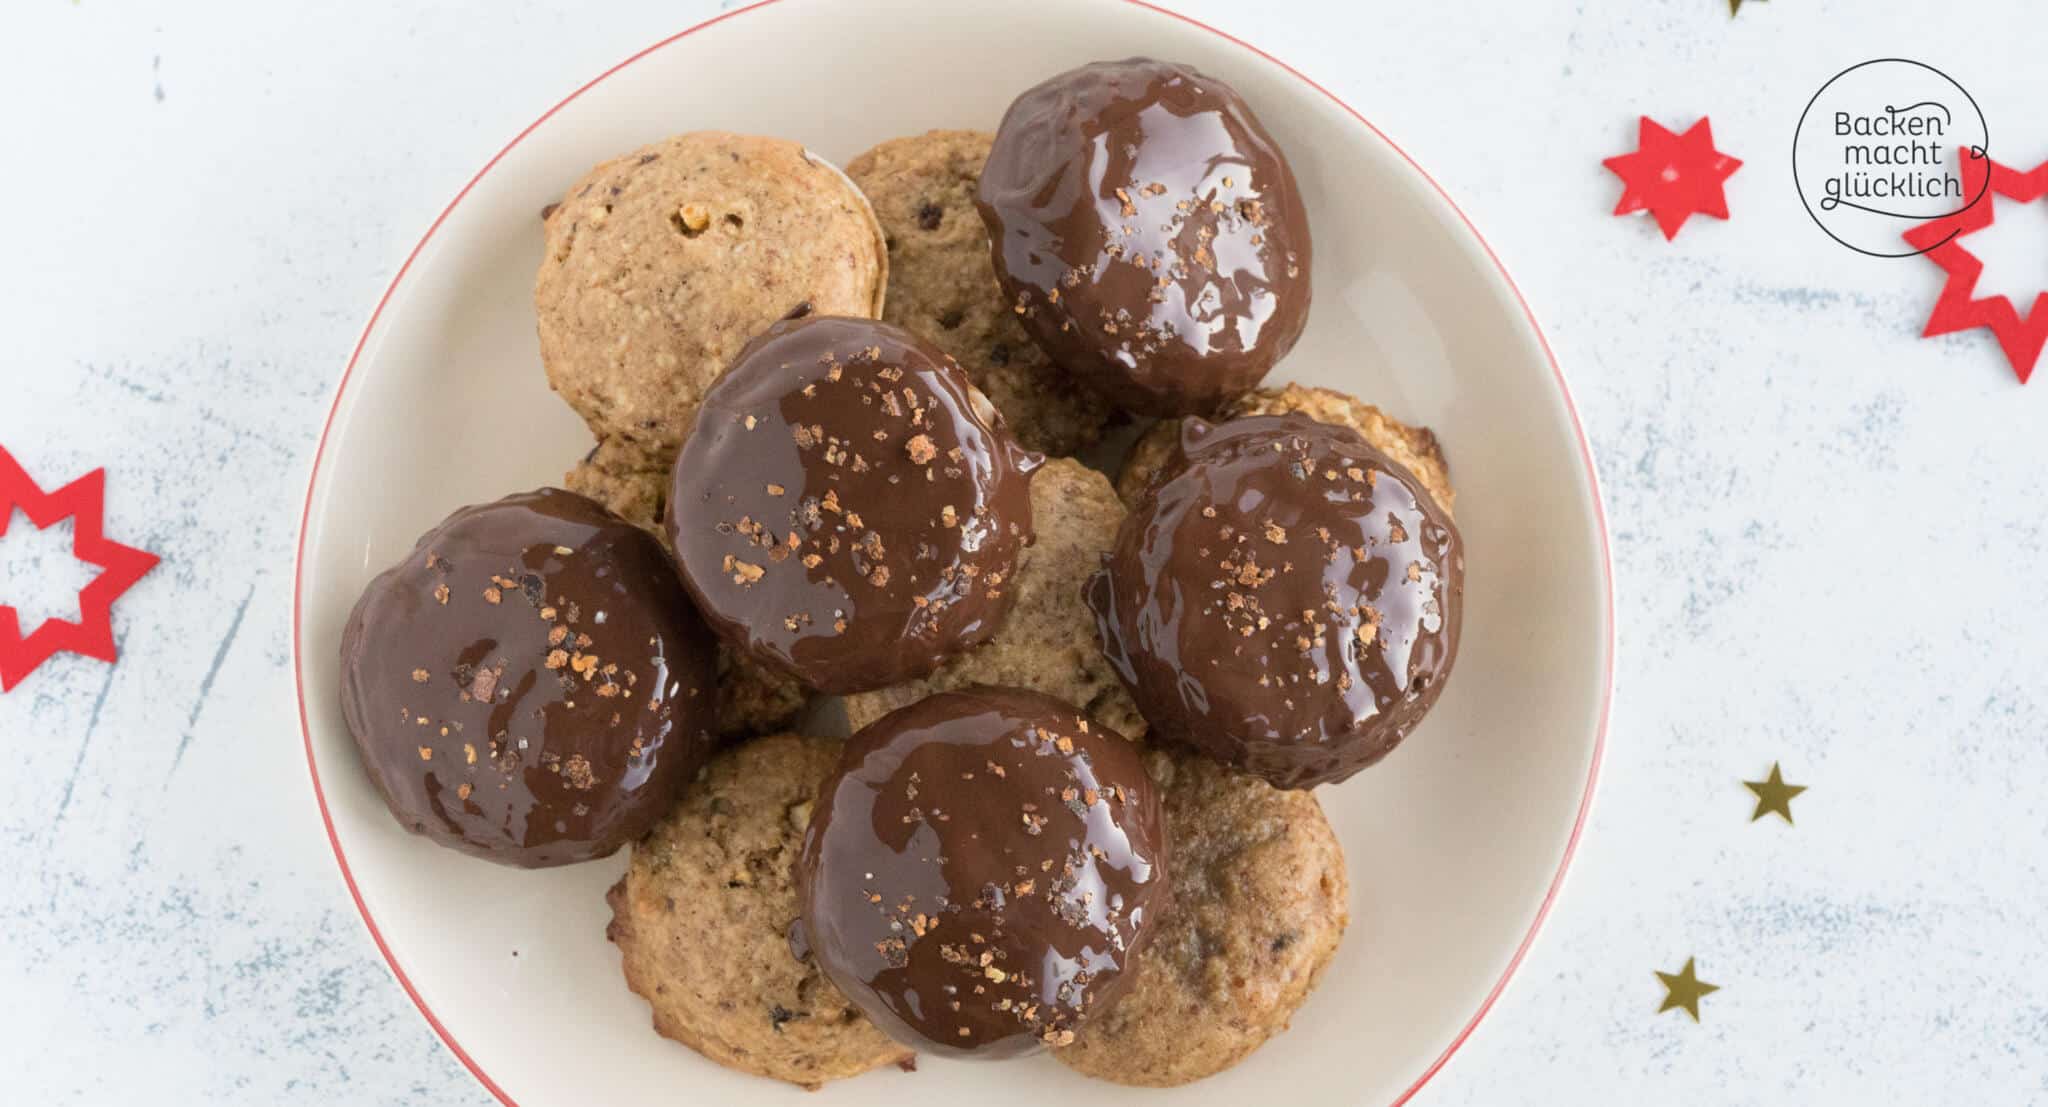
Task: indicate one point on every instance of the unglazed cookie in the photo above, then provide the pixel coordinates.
(529, 684)
(1048, 641)
(661, 264)
(703, 914)
(1148, 232)
(631, 483)
(1260, 901)
(942, 287)
(753, 698)
(1286, 599)
(849, 509)
(1415, 448)
(981, 870)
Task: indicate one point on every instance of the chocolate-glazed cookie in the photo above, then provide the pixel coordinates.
(1149, 233)
(981, 869)
(848, 508)
(530, 685)
(1287, 600)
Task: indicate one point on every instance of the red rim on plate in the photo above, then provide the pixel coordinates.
(1578, 431)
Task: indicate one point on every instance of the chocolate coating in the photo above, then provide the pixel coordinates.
(530, 684)
(1286, 599)
(981, 869)
(1150, 232)
(848, 508)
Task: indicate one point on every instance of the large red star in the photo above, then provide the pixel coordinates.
(84, 500)
(1941, 239)
(1673, 175)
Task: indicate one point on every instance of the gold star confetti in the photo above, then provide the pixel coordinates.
(1685, 990)
(1773, 795)
(1735, 6)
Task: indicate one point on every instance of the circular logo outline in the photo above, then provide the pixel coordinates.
(1983, 152)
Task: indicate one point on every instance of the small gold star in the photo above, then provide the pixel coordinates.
(1773, 795)
(1685, 990)
(1735, 6)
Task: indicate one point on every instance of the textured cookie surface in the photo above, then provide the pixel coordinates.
(753, 699)
(702, 918)
(1259, 907)
(1047, 643)
(1416, 448)
(662, 263)
(942, 286)
(630, 482)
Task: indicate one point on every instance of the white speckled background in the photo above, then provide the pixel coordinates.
(1829, 533)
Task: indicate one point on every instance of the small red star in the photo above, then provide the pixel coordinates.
(1941, 240)
(84, 500)
(1673, 175)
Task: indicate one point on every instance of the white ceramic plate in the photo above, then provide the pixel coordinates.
(1456, 843)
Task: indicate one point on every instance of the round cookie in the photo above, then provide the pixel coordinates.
(1285, 598)
(753, 698)
(662, 263)
(943, 289)
(849, 509)
(981, 869)
(1148, 233)
(703, 914)
(529, 684)
(1416, 448)
(1047, 642)
(1260, 901)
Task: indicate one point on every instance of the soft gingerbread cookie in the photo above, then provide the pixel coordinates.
(661, 264)
(1259, 905)
(753, 699)
(942, 286)
(1047, 642)
(628, 481)
(702, 919)
(1415, 448)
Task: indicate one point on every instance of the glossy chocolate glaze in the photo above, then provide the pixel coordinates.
(848, 508)
(1149, 232)
(1285, 599)
(529, 684)
(981, 869)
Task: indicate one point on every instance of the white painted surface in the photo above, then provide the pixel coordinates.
(1829, 536)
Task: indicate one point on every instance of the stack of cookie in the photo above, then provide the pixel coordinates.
(841, 420)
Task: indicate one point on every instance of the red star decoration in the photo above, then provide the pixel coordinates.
(84, 500)
(1942, 241)
(1673, 175)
